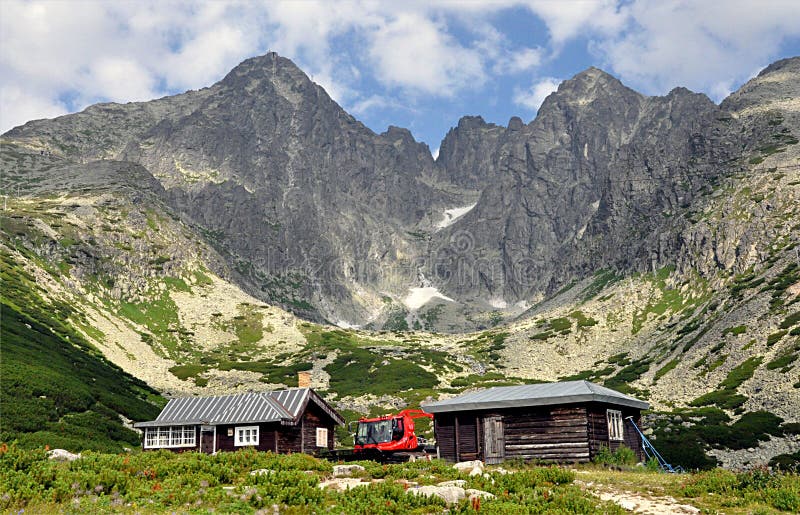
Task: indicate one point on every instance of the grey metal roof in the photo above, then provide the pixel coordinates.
(535, 395)
(293, 399)
(296, 399)
(278, 406)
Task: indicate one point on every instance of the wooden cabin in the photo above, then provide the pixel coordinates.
(284, 421)
(559, 422)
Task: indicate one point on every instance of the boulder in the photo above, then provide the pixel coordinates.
(468, 465)
(62, 455)
(346, 470)
(451, 494)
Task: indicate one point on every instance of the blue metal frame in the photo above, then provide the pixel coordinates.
(652, 453)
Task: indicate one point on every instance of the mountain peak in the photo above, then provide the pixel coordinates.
(790, 64)
(596, 77)
(269, 66)
(774, 87)
(588, 86)
(269, 61)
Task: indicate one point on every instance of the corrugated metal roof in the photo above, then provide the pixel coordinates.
(293, 399)
(282, 405)
(535, 395)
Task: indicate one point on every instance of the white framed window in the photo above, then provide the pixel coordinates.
(616, 430)
(170, 436)
(322, 437)
(246, 435)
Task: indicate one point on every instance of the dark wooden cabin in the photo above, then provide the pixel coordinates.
(284, 421)
(558, 422)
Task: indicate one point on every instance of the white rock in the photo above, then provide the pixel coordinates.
(477, 471)
(451, 494)
(346, 470)
(454, 482)
(468, 465)
(343, 483)
(62, 455)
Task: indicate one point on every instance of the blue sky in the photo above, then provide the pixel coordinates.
(420, 64)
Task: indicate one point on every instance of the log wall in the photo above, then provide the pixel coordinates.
(565, 433)
(458, 436)
(546, 433)
(444, 430)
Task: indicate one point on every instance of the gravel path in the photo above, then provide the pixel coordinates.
(637, 503)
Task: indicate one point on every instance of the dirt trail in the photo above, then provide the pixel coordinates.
(638, 503)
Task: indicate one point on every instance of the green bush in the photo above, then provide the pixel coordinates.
(790, 320)
(739, 329)
(622, 456)
(666, 368)
(726, 397)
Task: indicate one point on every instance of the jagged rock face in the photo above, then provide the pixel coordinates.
(314, 211)
(465, 155)
(306, 201)
(593, 182)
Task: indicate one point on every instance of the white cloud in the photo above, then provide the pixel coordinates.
(566, 20)
(121, 79)
(523, 60)
(414, 52)
(19, 107)
(533, 97)
(205, 57)
(705, 46)
(58, 56)
(371, 102)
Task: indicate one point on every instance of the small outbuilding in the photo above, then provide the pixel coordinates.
(560, 422)
(283, 421)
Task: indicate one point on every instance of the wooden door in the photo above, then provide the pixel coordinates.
(207, 440)
(493, 440)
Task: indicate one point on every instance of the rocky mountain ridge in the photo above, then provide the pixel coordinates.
(362, 217)
(647, 243)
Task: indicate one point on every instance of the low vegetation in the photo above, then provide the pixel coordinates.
(164, 482)
(72, 398)
(168, 482)
(684, 436)
(725, 396)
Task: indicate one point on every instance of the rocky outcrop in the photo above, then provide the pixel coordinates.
(314, 211)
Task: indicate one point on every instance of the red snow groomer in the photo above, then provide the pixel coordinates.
(390, 433)
(387, 438)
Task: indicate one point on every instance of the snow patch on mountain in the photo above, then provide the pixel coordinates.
(418, 297)
(451, 215)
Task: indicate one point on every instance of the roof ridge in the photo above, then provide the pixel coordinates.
(276, 403)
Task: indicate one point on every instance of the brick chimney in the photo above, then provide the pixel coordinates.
(304, 379)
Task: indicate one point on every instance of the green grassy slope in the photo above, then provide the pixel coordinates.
(55, 389)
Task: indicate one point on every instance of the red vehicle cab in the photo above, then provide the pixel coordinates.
(389, 432)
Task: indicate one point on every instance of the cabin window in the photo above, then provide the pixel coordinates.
(322, 437)
(246, 435)
(615, 429)
(171, 436)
